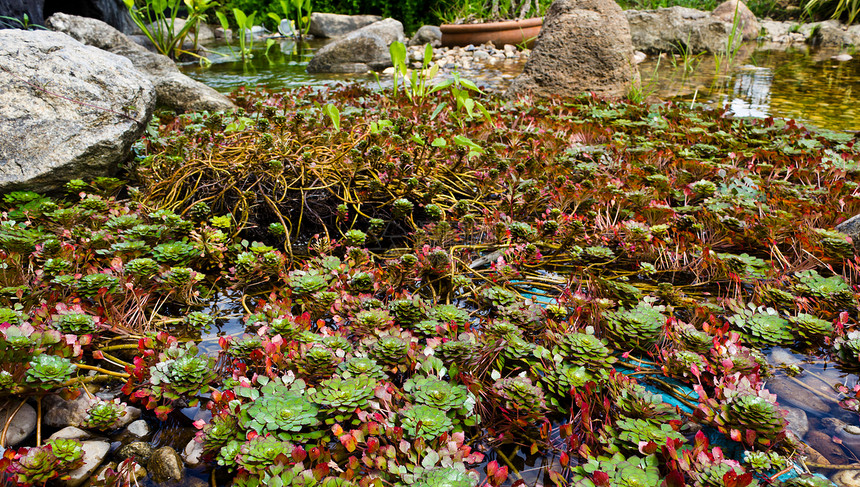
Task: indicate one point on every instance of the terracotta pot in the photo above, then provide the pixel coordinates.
(510, 32)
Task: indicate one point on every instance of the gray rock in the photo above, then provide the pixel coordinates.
(140, 451)
(71, 433)
(59, 413)
(22, 425)
(361, 51)
(336, 25)
(165, 465)
(584, 45)
(66, 110)
(193, 453)
(798, 423)
(665, 29)
(173, 89)
(94, 454)
(789, 391)
(831, 33)
(747, 22)
(850, 227)
(842, 57)
(138, 428)
(427, 34)
(114, 12)
(131, 414)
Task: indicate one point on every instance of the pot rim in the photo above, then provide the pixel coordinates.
(492, 26)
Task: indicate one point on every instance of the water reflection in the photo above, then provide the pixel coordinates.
(803, 84)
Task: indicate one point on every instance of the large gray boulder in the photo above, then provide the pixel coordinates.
(22, 424)
(675, 28)
(336, 25)
(66, 110)
(363, 50)
(173, 89)
(584, 45)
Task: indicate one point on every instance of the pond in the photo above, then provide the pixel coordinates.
(799, 82)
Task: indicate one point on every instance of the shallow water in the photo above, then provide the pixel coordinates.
(799, 82)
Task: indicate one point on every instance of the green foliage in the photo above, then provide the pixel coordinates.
(46, 371)
(426, 422)
(157, 20)
(104, 415)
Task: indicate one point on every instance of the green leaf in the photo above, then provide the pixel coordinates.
(334, 114)
(441, 86)
(470, 85)
(465, 141)
(275, 17)
(438, 109)
(225, 24)
(417, 139)
(439, 142)
(241, 18)
(431, 458)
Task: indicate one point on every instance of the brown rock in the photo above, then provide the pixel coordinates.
(747, 23)
(823, 444)
(847, 478)
(584, 45)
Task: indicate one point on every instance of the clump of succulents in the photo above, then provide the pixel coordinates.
(361, 282)
(181, 372)
(221, 430)
(316, 363)
(745, 414)
(810, 326)
(355, 238)
(357, 366)
(304, 283)
(835, 244)
(408, 311)
(502, 330)
(632, 433)
(618, 471)
(177, 253)
(55, 266)
(847, 348)
(9, 315)
(449, 313)
(497, 296)
(142, 267)
(776, 297)
(445, 477)
(581, 348)
(75, 323)
(634, 401)
(745, 265)
(832, 292)
(641, 325)
(340, 397)
(421, 421)
(693, 339)
(390, 350)
(762, 461)
(762, 325)
(104, 415)
(280, 411)
(199, 320)
(559, 379)
(457, 352)
(47, 371)
(261, 452)
(35, 466)
(680, 363)
(520, 395)
(372, 320)
(437, 393)
(92, 285)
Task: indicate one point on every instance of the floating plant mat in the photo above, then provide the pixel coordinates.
(430, 294)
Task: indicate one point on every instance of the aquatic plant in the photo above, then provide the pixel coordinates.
(47, 371)
(641, 325)
(104, 415)
(762, 325)
(280, 411)
(422, 421)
